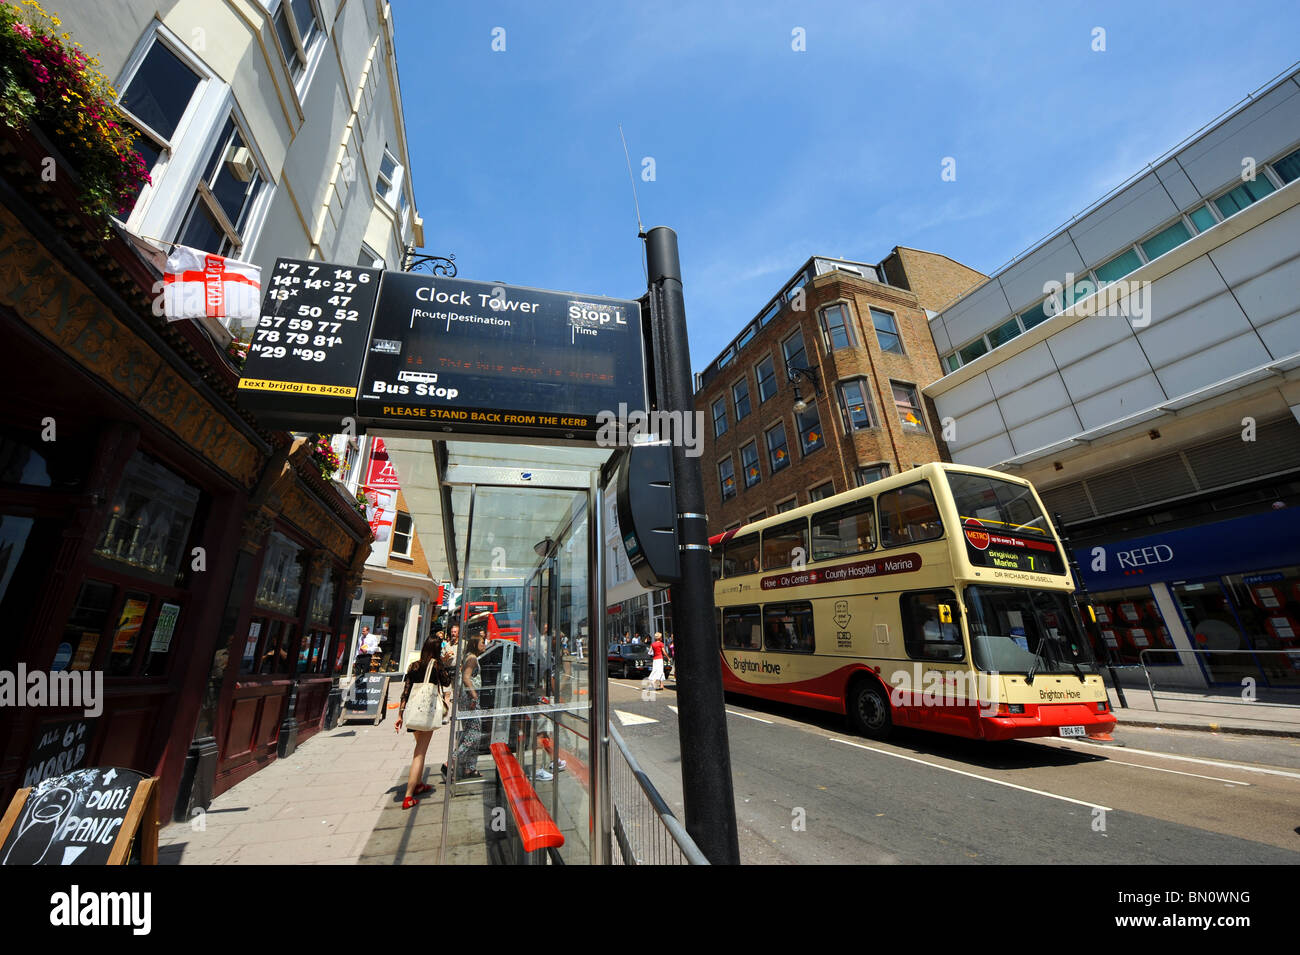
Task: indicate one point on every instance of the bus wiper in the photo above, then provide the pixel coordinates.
(1029, 677)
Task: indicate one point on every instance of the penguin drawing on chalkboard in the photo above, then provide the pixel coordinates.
(40, 823)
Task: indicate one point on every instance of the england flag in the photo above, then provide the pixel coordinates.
(199, 284)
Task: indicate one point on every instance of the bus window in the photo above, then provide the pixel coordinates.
(783, 543)
(715, 560)
(844, 530)
(742, 555)
(909, 516)
(788, 627)
(930, 626)
(741, 628)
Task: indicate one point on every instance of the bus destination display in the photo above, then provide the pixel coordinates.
(989, 549)
(304, 361)
(464, 356)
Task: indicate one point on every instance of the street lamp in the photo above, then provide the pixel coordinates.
(794, 374)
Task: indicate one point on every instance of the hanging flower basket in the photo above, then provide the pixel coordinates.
(325, 458)
(48, 83)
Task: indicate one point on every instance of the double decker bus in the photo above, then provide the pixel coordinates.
(939, 598)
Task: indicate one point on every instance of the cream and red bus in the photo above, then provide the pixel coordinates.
(939, 598)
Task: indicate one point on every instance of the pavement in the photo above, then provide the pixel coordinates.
(1269, 715)
(337, 800)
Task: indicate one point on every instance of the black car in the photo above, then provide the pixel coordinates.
(626, 659)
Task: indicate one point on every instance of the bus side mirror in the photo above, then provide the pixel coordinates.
(945, 613)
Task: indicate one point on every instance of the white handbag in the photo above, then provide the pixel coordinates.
(424, 708)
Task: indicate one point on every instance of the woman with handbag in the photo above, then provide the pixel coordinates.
(425, 704)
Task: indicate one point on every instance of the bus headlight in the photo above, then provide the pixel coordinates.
(1103, 706)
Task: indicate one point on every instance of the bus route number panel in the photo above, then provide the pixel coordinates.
(484, 358)
(987, 548)
(307, 350)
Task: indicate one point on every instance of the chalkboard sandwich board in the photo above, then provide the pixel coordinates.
(95, 816)
(369, 698)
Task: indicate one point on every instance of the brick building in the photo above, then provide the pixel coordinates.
(822, 391)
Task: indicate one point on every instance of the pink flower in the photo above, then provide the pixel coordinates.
(23, 30)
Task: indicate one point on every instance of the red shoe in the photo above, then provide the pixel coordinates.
(423, 788)
(408, 802)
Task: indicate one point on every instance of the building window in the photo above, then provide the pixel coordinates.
(794, 352)
(873, 473)
(1248, 193)
(855, 402)
(887, 331)
(972, 351)
(909, 407)
(224, 197)
(1036, 315)
(1118, 267)
(836, 328)
(821, 492)
(296, 27)
(809, 424)
(402, 534)
(749, 464)
(788, 505)
(756, 516)
(156, 98)
(389, 180)
(727, 479)
(1004, 333)
(371, 259)
(1167, 239)
(1203, 218)
(765, 372)
(778, 455)
(719, 417)
(1287, 168)
(952, 362)
(740, 396)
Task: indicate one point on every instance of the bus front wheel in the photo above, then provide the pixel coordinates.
(869, 710)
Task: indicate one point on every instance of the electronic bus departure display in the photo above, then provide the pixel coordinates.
(987, 548)
(305, 357)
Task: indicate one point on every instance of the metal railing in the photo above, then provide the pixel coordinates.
(645, 830)
(1238, 699)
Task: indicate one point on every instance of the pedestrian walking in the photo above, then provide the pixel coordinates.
(656, 677)
(421, 671)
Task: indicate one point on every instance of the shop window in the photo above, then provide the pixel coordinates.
(150, 520)
(87, 621)
(1129, 621)
(785, 544)
(788, 628)
(1268, 606)
(844, 530)
(280, 583)
(908, 515)
(932, 626)
(161, 633)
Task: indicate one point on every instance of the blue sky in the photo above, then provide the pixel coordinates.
(764, 155)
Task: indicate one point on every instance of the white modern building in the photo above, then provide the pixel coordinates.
(274, 128)
(1141, 366)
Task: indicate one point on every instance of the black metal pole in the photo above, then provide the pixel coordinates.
(702, 721)
(1081, 591)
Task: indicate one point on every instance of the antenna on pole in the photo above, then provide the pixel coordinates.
(640, 230)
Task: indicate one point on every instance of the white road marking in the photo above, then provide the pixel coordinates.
(633, 719)
(1214, 762)
(1177, 772)
(673, 708)
(962, 772)
(748, 717)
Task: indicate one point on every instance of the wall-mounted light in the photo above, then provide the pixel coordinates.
(793, 374)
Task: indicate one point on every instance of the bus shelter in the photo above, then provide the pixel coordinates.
(534, 769)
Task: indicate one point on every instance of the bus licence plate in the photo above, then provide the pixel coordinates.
(1073, 731)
